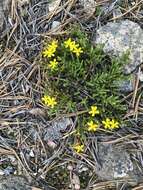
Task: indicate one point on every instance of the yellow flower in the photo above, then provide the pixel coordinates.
(48, 53)
(53, 64)
(92, 126)
(114, 124)
(78, 147)
(110, 124)
(94, 110)
(54, 44)
(49, 101)
(51, 49)
(73, 46)
(106, 123)
(68, 43)
(78, 51)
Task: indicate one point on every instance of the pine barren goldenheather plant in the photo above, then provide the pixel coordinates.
(85, 81)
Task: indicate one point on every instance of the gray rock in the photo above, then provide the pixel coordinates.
(9, 170)
(14, 183)
(115, 162)
(121, 37)
(53, 132)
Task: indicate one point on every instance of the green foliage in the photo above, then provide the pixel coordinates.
(78, 82)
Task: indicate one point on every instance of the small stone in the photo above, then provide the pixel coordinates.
(141, 76)
(31, 154)
(115, 162)
(80, 167)
(77, 186)
(55, 130)
(75, 180)
(51, 144)
(55, 24)
(37, 112)
(53, 5)
(89, 6)
(70, 167)
(9, 170)
(1, 172)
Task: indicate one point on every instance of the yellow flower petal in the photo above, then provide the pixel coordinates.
(78, 147)
(92, 126)
(68, 43)
(110, 124)
(53, 64)
(73, 46)
(77, 51)
(51, 49)
(49, 101)
(94, 110)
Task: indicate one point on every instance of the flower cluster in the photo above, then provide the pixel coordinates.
(73, 46)
(68, 61)
(51, 49)
(110, 124)
(92, 126)
(50, 52)
(49, 101)
(107, 123)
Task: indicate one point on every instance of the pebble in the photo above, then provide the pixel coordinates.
(53, 5)
(1, 172)
(55, 24)
(141, 76)
(31, 154)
